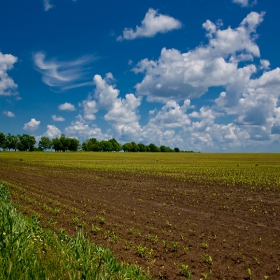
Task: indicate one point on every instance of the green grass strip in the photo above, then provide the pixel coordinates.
(29, 252)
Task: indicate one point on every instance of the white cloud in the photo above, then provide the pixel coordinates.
(57, 118)
(122, 113)
(245, 3)
(63, 75)
(82, 130)
(90, 108)
(123, 116)
(179, 76)
(32, 125)
(105, 91)
(172, 115)
(47, 5)
(265, 64)
(7, 84)
(9, 114)
(245, 117)
(152, 24)
(52, 131)
(66, 107)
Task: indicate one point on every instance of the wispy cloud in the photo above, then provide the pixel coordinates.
(152, 24)
(57, 118)
(9, 114)
(63, 75)
(245, 3)
(47, 5)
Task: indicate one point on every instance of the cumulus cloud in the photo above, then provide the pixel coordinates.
(90, 108)
(66, 107)
(63, 75)
(246, 115)
(57, 118)
(265, 64)
(172, 115)
(32, 125)
(9, 114)
(7, 84)
(245, 3)
(179, 76)
(250, 106)
(121, 114)
(52, 131)
(105, 91)
(81, 129)
(152, 24)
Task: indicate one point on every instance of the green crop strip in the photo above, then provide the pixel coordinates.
(29, 252)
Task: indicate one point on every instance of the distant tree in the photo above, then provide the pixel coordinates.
(106, 146)
(135, 147)
(116, 146)
(26, 142)
(65, 143)
(57, 145)
(45, 143)
(127, 147)
(165, 149)
(91, 145)
(11, 142)
(74, 144)
(85, 145)
(94, 145)
(154, 148)
(2, 140)
(176, 150)
(142, 147)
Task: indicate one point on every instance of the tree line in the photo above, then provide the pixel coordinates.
(27, 142)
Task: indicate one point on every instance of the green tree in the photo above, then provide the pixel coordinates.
(2, 140)
(142, 147)
(11, 142)
(127, 147)
(135, 147)
(65, 143)
(45, 143)
(57, 145)
(26, 142)
(154, 148)
(74, 144)
(106, 146)
(91, 145)
(165, 149)
(176, 150)
(116, 146)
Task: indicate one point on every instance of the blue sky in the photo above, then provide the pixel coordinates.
(197, 74)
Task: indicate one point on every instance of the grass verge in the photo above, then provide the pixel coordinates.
(29, 252)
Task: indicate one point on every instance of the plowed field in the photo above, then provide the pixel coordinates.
(173, 214)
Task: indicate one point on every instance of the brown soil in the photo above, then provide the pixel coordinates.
(179, 222)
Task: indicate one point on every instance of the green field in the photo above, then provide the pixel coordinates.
(175, 215)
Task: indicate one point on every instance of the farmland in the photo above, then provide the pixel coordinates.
(175, 215)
